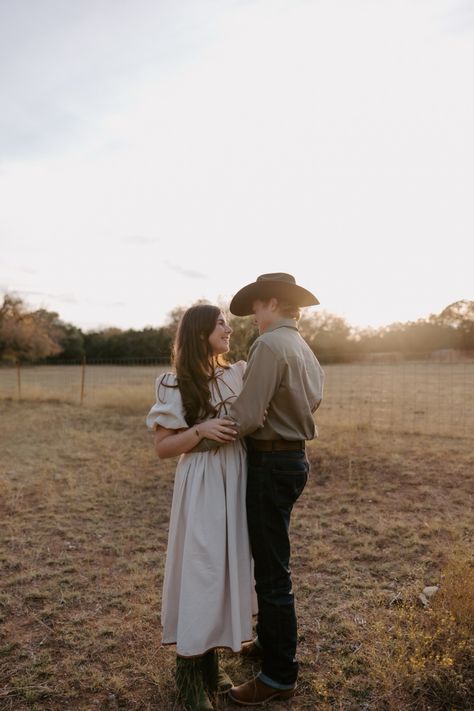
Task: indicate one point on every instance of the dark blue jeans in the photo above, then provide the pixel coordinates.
(275, 481)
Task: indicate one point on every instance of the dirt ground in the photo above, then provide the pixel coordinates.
(84, 508)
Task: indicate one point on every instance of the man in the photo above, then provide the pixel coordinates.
(283, 386)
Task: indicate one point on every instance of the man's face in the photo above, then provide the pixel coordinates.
(265, 313)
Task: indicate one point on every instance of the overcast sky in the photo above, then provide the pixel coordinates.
(159, 151)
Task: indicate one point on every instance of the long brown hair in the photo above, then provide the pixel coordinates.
(192, 358)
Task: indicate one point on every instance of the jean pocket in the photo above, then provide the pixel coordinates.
(288, 485)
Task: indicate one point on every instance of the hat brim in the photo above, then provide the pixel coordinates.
(241, 304)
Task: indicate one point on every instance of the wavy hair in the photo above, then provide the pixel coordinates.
(195, 362)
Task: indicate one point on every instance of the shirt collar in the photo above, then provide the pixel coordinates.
(283, 323)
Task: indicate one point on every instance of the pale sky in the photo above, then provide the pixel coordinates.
(154, 152)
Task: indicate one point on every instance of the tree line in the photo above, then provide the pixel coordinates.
(36, 336)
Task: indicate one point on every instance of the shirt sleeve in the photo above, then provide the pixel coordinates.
(168, 409)
(262, 378)
(320, 387)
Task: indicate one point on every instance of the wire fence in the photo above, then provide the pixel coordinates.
(423, 397)
(416, 397)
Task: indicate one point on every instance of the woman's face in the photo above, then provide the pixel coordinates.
(220, 337)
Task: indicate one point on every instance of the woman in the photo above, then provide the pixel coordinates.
(208, 597)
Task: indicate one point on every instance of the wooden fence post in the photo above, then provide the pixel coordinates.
(18, 378)
(83, 378)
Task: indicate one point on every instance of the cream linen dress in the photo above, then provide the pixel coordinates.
(208, 590)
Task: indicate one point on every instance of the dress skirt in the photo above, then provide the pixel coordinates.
(208, 596)
(208, 590)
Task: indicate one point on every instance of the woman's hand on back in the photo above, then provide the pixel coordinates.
(218, 429)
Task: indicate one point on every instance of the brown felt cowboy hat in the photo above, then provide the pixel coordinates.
(279, 285)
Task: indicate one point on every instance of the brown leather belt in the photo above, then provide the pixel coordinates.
(275, 445)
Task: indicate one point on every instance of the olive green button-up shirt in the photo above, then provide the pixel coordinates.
(284, 378)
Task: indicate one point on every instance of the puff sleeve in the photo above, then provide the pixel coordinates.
(241, 366)
(168, 409)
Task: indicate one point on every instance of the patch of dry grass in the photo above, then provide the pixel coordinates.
(423, 659)
(84, 507)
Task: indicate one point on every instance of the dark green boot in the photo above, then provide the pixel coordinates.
(215, 678)
(190, 684)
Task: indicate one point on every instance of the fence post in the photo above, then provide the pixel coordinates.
(18, 378)
(83, 378)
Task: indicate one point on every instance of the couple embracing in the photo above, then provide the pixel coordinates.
(241, 431)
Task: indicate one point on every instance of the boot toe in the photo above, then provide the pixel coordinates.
(255, 692)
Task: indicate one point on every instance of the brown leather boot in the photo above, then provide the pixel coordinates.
(255, 692)
(251, 650)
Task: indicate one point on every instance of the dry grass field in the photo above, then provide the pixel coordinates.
(84, 508)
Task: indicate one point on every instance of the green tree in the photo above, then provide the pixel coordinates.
(459, 316)
(72, 342)
(244, 332)
(328, 336)
(115, 344)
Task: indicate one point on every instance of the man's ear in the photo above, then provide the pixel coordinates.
(273, 303)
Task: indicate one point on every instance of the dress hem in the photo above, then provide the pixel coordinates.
(209, 649)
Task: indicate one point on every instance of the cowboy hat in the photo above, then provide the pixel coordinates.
(279, 285)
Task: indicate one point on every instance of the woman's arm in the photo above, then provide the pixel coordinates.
(170, 443)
